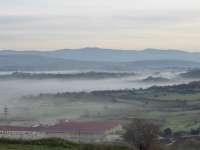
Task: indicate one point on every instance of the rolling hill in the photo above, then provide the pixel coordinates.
(96, 59)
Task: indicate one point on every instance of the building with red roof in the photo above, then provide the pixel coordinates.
(74, 131)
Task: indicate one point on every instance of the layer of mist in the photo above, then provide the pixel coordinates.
(13, 91)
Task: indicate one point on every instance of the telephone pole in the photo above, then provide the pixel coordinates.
(6, 113)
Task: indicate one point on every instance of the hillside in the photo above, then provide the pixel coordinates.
(96, 59)
(155, 79)
(83, 75)
(171, 106)
(191, 74)
(112, 55)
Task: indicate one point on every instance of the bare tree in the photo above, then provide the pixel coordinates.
(143, 135)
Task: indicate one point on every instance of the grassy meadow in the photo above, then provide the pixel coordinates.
(55, 144)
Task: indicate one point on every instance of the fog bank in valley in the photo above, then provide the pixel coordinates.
(12, 91)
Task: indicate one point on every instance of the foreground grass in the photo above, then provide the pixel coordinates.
(54, 144)
(59, 144)
(27, 147)
(189, 144)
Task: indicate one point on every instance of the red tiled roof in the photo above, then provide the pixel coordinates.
(83, 126)
(65, 127)
(18, 128)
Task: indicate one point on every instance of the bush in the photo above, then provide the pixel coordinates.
(194, 131)
(167, 132)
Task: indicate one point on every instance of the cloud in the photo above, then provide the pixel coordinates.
(125, 24)
(13, 19)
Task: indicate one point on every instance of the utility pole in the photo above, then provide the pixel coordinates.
(6, 113)
(79, 140)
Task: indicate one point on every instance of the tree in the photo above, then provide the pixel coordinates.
(143, 135)
(167, 132)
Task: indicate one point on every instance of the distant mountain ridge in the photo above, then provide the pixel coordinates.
(113, 55)
(82, 75)
(96, 59)
(195, 74)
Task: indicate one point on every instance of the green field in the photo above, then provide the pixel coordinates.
(54, 144)
(43, 147)
(28, 147)
(188, 144)
(178, 96)
(176, 107)
(59, 144)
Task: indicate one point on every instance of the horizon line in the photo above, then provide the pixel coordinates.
(100, 48)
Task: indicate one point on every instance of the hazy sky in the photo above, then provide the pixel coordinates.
(127, 24)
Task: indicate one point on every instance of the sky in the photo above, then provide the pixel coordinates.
(121, 24)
